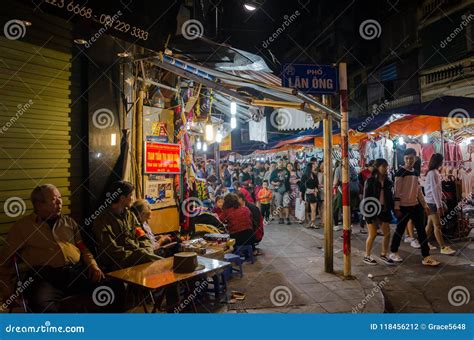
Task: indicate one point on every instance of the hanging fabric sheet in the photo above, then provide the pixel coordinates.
(258, 131)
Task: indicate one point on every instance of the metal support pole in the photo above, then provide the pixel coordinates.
(328, 208)
(139, 144)
(346, 209)
(217, 158)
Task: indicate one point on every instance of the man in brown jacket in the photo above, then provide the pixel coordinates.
(59, 263)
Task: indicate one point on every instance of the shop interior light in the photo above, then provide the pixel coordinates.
(219, 136)
(401, 141)
(113, 139)
(425, 139)
(123, 54)
(233, 108)
(198, 144)
(233, 122)
(250, 7)
(204, 146)
(27, 23)
(209, 132)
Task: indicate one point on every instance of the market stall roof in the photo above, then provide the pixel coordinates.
(248, 89)
(445, 106)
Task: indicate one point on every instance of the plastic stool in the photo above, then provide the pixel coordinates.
(234, 259)
(245, 251)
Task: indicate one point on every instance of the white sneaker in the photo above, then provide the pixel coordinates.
(408, 239)
(395, 258)
(432, 247)
(447, 251)
(336, 228)
(429, 261)
(415, 244)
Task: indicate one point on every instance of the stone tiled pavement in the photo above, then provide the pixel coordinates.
(297, 253)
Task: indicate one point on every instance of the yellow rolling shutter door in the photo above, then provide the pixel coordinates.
(35, 117)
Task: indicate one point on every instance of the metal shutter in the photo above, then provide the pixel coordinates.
(36, 144)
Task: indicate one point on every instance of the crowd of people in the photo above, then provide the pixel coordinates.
(242, 199)
(279, 189)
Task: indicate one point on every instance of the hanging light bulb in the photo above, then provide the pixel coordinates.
(198, 144)
(425, 139)
(219, 136)
(233, 107)
(204, 146)
(233, 122)
(209, 132)
(401, 141)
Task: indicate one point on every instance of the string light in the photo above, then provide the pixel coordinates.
(209, 132)
(219, 136)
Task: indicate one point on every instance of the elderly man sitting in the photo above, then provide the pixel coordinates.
(50, 244)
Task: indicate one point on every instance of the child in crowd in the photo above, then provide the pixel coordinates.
(265, 196)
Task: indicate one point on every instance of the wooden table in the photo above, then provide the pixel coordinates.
(159, 274)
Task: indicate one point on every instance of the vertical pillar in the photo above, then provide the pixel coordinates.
(328, 208)
(346, 209)
(139, 144)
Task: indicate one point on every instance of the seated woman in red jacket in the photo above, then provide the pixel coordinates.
(238, 219)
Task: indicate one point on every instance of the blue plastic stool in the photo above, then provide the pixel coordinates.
(234, 259)
(245, 251)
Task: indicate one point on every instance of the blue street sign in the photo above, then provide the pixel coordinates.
(311, 78)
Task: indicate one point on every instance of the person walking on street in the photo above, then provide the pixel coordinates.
(310, 181)
(378, 190)
(433, 197)
(410, 204)
(280, 180)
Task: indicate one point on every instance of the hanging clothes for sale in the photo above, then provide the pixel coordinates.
(416, 147)
(427, 151)
(400, 152)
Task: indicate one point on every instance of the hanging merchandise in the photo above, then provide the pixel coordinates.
(258, 131)
(157, 100)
